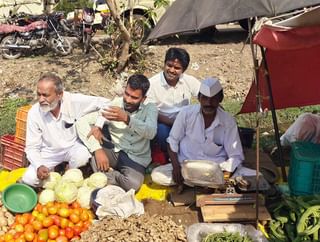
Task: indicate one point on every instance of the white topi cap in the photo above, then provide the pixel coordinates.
(210, 86)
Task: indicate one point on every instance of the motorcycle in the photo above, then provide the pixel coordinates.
(83, 25)
(43, 32)
(86, 28)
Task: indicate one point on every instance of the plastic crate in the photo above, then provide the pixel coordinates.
(12, 153)
(21, 124)
(304, 171)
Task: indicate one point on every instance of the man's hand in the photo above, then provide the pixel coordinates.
(176, 174)
(97, 133)
(42, 172)
(114, 113)
(102, 160)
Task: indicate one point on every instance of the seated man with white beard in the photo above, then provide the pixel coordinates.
(51, 134)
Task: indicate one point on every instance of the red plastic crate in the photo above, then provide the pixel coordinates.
(12, 153)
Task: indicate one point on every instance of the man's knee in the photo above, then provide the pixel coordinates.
(80, 158)
(30, 177)
(132, 183)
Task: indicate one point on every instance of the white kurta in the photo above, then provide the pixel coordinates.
(50, 140)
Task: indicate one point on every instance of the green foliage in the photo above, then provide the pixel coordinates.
(285, 117)
(69, 6)
(8, 111)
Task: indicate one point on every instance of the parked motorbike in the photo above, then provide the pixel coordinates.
(86, 28)
(83, 25)
(44, 32)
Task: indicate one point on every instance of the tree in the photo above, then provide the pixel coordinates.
(125, 35)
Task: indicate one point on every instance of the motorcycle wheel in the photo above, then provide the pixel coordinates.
(86, 43)
(10, 53)
(62, 47)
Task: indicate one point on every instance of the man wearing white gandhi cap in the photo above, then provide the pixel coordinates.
(202, 131)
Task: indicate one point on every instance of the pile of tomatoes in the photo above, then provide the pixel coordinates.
(52, 222)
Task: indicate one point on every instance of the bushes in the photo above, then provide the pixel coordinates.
(8, 109)
(69, 6)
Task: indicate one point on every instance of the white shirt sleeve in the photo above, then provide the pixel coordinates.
(178, 131)
(233, 148)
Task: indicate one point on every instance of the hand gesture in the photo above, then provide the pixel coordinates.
(97, 133)
(176, 174)
(42, 172)
(102, 160)
(114, 113)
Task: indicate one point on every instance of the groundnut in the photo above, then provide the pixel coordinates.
(10, 221)
(4, 229)
(3, 222)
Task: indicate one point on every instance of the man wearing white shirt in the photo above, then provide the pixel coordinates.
(171, 90)
(51, 134)
(202, 132)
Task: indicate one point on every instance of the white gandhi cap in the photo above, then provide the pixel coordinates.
(210, 87)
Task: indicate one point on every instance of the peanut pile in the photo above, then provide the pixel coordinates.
(135, 229)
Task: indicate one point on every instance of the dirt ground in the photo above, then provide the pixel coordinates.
(223, 55)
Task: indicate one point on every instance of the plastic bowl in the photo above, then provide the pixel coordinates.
(19, 198)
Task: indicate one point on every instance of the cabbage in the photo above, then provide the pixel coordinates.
(66, 191)
(46, 196)
(85, 182)
(84, 195)
(73, 175)
(98, 180)
(52, 180)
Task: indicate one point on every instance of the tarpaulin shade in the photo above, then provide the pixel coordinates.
(293, 61)
(193, 15)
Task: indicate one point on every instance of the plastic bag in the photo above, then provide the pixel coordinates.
(202, 173)
(196, 232)
(151, 190)
(10, 177)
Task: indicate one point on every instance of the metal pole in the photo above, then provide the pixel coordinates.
(274, 116)
(256, 68)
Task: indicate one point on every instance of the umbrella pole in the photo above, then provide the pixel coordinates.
(256, 76)
(274, 117)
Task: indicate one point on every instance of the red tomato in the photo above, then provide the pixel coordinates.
(44, 211)
(52, 210)
(84, 216)
(74, 218)
(64, 212)
(62, 239)
(77, 230)
(75, 205)
(47, 222)
(38, 207)
(19, 228)
(43, 235)
(18, 235)
(20, 240)
(62, 232)
(53, 232)
(64, 223)
(37, 225)
(29, 236)
(69, 233)
(28, 228)
(86, 225)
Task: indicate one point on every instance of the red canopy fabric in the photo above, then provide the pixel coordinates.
(293, 59)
